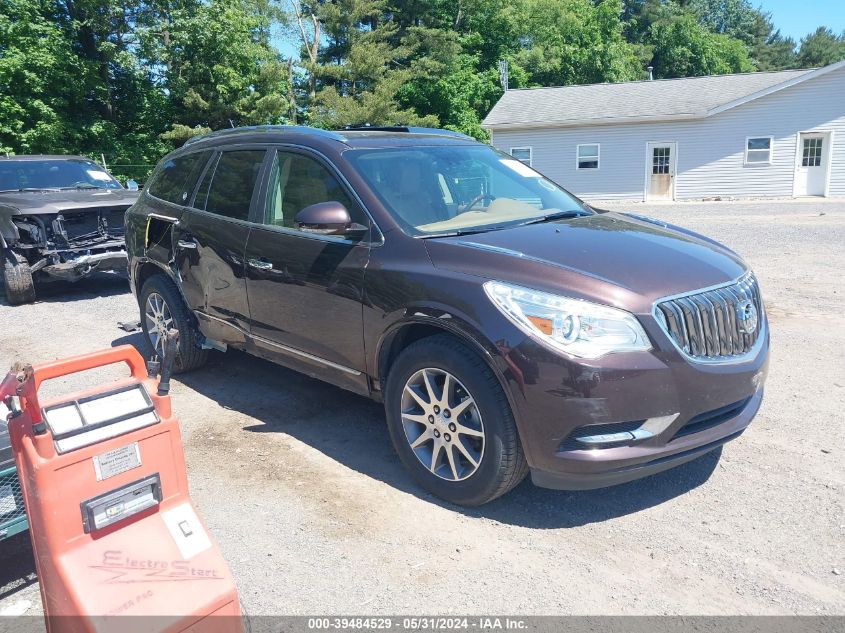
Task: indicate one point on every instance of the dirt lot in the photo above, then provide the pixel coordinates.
(298, 481)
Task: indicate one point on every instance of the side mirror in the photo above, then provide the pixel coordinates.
(131, 185)
(326, 218)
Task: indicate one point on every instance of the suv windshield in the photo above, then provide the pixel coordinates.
(67, 173)
(457, 189)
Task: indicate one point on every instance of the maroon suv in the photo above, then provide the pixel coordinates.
(507, 326)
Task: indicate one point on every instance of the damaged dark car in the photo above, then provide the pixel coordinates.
(61, 218)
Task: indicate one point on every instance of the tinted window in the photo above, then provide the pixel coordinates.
(176, 177)
(230, 191)
(73, 173)
(296, 182)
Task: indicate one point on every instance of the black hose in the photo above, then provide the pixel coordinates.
(169, 351)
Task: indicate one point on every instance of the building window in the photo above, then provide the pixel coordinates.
(812, 155)
(588, 156)
(660, 157)
(758, 149)
(522, 154)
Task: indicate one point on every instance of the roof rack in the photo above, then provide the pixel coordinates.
(406, 129)
(299, 129)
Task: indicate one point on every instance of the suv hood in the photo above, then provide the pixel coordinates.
(43, 202)
(610, 258)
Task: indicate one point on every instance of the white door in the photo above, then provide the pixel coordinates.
(660, 171)
(811, 167)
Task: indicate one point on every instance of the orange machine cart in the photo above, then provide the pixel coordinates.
(113, 527)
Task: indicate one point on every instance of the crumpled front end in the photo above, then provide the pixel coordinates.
(72, 244)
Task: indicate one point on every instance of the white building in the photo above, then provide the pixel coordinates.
(776, 134)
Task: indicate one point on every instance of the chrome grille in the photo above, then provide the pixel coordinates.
(705, 324)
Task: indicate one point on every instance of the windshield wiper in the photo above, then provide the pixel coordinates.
(81, 187)
(572, 213)
(560, 215)
(473, 231)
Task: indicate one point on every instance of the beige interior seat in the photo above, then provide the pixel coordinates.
(414, 193)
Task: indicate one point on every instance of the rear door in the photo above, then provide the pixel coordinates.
(305, 290)
(661, 161)
(210, 241)
(811, 171)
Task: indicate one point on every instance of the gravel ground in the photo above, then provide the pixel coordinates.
(298, 482)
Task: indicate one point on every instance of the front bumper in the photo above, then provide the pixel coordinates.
(557, 400)
(82, 265)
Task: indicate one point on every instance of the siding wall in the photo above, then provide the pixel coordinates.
(711, 152)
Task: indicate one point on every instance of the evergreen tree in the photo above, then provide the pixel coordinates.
(820, 48)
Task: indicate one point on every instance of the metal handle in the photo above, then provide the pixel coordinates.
(187, 244)
(109, 356)
(34, 376)
(260, 264)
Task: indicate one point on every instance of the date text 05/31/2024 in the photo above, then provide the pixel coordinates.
(431, 623)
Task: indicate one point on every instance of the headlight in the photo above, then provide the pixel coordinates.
(572, 326)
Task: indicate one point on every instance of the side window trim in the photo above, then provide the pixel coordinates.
(257, 209)
(211, 163)
(376, 237)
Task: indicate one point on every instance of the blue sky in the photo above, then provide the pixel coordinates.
(797, 18)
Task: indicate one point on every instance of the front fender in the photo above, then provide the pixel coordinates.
(459, 326)
(440, 318)
(9, 233)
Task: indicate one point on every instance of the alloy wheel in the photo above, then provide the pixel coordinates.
(442, 424)
(159, 320)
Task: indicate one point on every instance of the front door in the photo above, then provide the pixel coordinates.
(210, 241)
(660, 178)
(305, 289)
(811, 170)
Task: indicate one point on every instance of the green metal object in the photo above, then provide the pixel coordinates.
(12, 513)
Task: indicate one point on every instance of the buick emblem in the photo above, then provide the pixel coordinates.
(746, 317)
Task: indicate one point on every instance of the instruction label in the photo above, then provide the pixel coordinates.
(117, 461)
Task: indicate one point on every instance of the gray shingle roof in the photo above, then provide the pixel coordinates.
(631, 100)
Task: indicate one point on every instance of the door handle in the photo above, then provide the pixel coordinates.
(187, 244)
(260, 264)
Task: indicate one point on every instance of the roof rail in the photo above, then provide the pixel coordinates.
(299, 129)
(406, 129)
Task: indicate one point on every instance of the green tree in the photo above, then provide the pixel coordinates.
(37, 97)
(738, 19)
(71, 83)
(361, 63)
(741, 20)
(459, 98)
(684, 48)
(132, 78)
(777, 53)
(820, 48)
(215, 62)
(572, 41)
(639, 15)
(450, 81)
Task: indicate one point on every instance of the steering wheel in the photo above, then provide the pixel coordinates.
(469, 205)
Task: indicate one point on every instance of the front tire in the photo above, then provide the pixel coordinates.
(451, 423)
(162, 308)
(17, 279)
